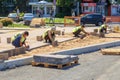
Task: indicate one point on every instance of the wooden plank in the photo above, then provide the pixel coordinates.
(110, 51)
(59, 66)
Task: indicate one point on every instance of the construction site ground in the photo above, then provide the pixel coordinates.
(92, 66)
(89, 40)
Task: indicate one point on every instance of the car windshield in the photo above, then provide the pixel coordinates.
(28, 14)
(86, 15)
(12, 14)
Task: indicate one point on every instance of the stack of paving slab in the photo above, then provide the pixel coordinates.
(55, 59)
(110, 51)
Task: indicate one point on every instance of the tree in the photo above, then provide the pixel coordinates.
(118, 1)
(3, 6)
(66, 3)
(21, 4)
(65, 6)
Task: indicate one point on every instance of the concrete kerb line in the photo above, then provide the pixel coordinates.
(49, 44)
(74, 51)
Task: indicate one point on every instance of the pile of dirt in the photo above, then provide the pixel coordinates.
(37, 21)
(89, 40)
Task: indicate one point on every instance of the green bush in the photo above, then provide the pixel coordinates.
(21, 14)
(6, 21)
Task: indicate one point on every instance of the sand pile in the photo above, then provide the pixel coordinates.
(37, 21)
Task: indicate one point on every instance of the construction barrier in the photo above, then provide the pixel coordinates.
(112, 18)
(71, 20)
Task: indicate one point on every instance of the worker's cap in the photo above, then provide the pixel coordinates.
(26, 33)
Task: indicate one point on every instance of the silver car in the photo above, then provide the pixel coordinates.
(28, 18)
(13, 16)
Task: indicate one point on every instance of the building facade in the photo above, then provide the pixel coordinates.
(43, 8)
(89, 6)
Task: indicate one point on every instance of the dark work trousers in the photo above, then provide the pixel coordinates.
(51, 20)
(47, 38)
(77, 33)
(103, 30)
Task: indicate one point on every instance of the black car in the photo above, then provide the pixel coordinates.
(94, 18)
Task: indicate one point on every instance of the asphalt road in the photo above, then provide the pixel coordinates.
(93, 66)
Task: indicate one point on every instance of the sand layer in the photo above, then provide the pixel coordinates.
(89, 40)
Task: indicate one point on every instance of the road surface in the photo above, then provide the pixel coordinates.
(93, 66)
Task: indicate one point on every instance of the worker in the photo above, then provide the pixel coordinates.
(19, 40)
(77, 30)
(103, 30)
(49, 35)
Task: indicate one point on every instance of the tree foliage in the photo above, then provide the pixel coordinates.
(118, 1)
(21, 4)
(63, 3)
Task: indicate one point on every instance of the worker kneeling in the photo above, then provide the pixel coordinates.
(103, 30)
(19, 40)
(49, 35)
(77, 31)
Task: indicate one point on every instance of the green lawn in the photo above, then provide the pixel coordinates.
(56, 20)
(18, 26)
(59, 20)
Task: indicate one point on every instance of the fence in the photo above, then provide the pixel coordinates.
(71, 21)
(112, 18)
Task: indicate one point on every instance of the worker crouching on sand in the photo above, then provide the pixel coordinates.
(103, 30)
(49, 35)
(19, 40)
(77, 31)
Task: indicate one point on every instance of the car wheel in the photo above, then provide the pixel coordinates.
(82, 23)
(99, 23)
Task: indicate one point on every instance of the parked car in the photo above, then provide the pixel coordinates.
(94, 18)
(13, 16)
(27, 18)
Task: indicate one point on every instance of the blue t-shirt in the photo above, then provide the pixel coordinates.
(17, 41)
